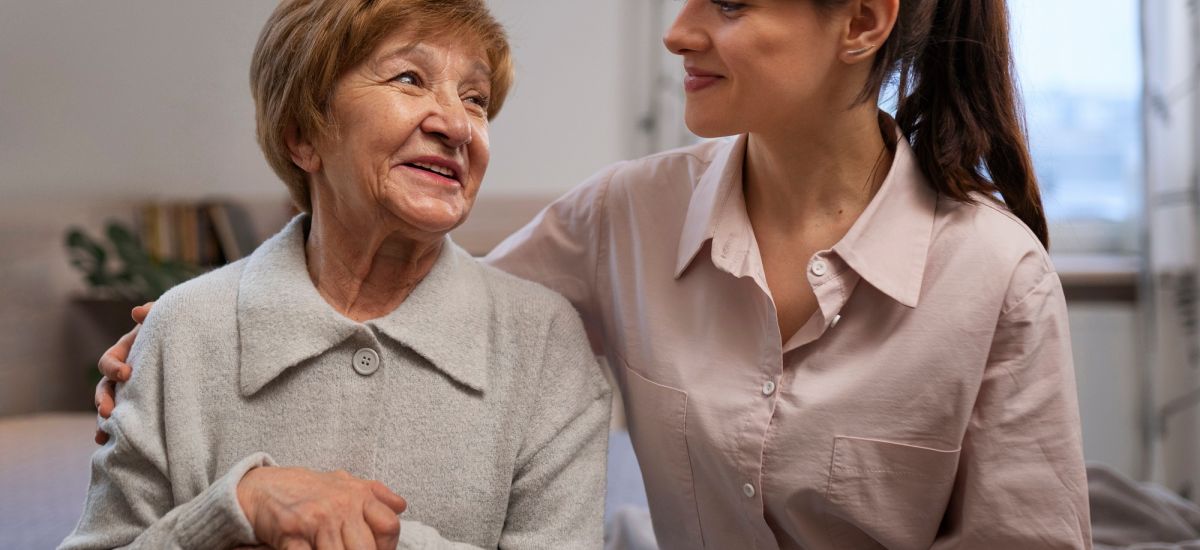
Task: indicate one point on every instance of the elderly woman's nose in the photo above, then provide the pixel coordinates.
(685, 34)
(450, 122)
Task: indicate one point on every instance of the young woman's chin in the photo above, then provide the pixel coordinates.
(709, 123)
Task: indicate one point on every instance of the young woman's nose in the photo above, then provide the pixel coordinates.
(686, 34)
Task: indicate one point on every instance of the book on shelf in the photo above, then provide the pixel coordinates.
(204, 234)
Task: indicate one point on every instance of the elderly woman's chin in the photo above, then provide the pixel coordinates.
(430, 211)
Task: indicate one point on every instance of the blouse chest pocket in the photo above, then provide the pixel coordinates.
(657, 417)
(887, 495)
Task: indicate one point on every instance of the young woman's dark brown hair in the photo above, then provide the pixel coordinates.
(952, 65)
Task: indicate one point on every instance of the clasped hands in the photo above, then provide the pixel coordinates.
(299, 509)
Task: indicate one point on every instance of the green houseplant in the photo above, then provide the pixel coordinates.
(122, 269)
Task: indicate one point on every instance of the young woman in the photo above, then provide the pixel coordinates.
(836, 330)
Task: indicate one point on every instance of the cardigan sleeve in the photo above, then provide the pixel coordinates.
(557, 498)
(130, 502)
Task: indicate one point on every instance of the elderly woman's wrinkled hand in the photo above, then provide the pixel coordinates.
(300, 508)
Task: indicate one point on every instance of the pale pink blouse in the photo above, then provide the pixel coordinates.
(929, 402)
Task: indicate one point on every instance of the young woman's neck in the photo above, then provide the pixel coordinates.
(815, 173)
(360, 266)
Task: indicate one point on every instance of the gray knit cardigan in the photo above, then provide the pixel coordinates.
(478, 400)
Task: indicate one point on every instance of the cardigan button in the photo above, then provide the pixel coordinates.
(366, 361)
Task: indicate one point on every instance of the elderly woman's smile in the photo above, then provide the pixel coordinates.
(409, 139)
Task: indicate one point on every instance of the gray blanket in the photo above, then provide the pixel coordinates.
(1142, 516)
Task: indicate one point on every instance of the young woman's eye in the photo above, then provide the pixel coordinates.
(408, 77)
(728, 7)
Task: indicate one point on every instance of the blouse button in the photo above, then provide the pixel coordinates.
(768, 387)
(819, 268)
(748, 490)
(366, 361)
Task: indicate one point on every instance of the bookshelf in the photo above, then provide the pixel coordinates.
(204, 234)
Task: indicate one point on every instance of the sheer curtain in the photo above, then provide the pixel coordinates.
(1171, 376)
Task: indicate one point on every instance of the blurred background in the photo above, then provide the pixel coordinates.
(128, 163)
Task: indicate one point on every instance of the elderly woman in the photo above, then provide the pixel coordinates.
(360, 343)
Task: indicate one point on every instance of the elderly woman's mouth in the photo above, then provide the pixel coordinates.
(441, 169)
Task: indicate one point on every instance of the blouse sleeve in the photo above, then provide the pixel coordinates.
(1021, 480)
(561, 248)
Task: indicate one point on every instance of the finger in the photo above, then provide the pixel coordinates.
(329, 538)
(295, 544)
(386, 496)
(112, 364)
(356, 534)
(139, 313)
(105, 392)
(384, 524)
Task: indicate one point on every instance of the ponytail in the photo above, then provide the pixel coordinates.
(958, 102)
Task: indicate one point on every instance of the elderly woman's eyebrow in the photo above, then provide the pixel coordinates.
(426, 53)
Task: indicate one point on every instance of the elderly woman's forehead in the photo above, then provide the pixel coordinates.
(433, 48)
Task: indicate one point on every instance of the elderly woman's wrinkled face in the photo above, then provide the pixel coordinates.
(410, 137)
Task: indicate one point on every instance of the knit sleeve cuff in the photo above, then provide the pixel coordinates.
(214, 519)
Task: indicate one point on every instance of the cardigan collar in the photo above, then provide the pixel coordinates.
(283, 320)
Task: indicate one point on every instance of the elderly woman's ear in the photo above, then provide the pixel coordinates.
(303, 153)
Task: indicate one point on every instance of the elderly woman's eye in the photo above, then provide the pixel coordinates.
(481, 100)
(408, 77)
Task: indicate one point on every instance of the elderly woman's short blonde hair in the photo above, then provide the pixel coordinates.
(307, 44)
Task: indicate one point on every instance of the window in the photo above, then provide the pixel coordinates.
(1079, 62)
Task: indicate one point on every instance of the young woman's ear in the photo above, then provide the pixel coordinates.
(302, 151)
(868, 27)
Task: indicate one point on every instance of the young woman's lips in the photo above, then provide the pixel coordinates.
(695, 81)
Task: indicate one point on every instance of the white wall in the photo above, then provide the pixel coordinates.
(1107, 369)
(128, 99)
(133, 98)
(564, 121)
